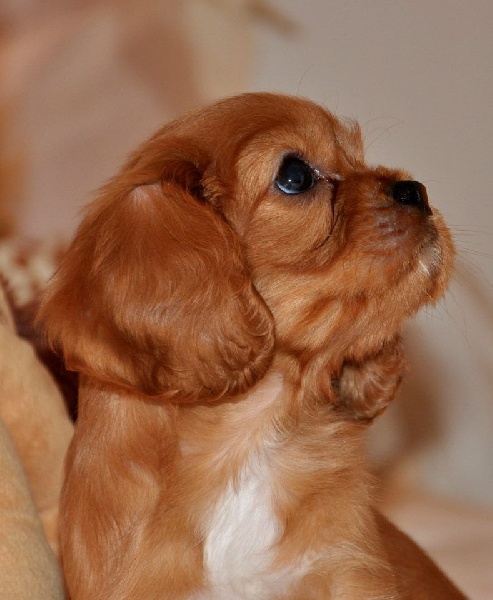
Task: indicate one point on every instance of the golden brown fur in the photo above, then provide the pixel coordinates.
(231, 337)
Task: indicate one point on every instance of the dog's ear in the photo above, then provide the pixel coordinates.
(154, 295)
(365, 388)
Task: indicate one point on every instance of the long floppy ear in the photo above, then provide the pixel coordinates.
(154, 295)
(364, 389)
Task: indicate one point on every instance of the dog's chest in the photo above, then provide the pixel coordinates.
(240, 541)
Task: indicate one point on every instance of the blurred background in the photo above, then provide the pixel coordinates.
(82, 82)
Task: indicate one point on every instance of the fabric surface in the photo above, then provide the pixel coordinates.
(34, 434)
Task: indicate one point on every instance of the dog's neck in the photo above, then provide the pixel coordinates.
(275, 417)
(274, 465)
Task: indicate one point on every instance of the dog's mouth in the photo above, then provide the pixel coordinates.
(430, 252)
(436, 255)
(425, 248)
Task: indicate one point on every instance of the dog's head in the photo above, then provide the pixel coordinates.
(248, 230)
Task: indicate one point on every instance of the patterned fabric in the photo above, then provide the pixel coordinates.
(25, 269)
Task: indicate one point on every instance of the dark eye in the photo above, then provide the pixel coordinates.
(295, 176)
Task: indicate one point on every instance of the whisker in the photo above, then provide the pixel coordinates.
(382, 130)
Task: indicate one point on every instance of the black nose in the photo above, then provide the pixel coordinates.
(410, 193)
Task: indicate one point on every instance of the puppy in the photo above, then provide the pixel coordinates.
(233, 303)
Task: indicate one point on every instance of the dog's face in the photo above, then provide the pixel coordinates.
(247, 230)
(340, 252)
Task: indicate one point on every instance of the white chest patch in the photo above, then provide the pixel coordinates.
(242, 531)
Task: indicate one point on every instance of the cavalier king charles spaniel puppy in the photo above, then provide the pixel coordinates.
(233, 302)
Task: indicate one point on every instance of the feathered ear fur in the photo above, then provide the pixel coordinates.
(154, 294)
(365, 388)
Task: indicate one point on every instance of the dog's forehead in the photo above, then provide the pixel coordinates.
(272, 123)
(263, 112)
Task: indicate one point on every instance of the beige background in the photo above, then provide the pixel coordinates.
(83, 82)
